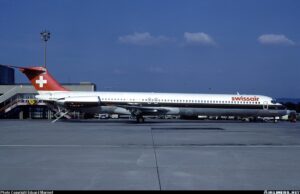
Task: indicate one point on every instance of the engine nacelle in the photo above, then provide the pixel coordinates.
(79, 101)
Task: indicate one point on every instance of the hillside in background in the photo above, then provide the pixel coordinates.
(290, 103)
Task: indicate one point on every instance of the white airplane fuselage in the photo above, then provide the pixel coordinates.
(167, 103)
(140, 104)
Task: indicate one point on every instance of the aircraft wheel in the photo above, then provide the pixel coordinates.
(140, 119)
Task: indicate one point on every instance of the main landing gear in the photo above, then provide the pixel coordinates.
(140, 119)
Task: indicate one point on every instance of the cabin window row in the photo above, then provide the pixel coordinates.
(181, 101)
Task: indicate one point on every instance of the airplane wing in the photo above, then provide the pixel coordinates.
(142, 110)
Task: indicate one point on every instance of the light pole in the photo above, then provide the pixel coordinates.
(45, 36)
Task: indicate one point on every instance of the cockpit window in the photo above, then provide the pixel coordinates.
(273, 101)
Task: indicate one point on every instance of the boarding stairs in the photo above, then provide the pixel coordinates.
(10, 93)
(19, 101)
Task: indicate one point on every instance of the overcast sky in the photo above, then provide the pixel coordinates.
(197, 46)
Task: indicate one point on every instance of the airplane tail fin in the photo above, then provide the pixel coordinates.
(41, 79)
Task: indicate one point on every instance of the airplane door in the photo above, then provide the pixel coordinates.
(265, 105)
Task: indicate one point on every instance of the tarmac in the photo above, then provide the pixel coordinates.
(157, 155)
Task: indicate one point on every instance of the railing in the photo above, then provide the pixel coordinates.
(18, 101)
(9, 105)
(10, 93)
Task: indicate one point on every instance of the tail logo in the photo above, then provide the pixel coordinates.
(41, 81)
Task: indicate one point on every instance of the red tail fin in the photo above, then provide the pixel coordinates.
(41, 79)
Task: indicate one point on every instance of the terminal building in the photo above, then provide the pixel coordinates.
(17, 101)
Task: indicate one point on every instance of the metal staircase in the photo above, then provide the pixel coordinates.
(9, 106)
(18, 102)
(10, 93)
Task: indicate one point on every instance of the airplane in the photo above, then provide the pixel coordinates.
(142, 104)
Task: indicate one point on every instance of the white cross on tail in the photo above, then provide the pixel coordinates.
(41, 81)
